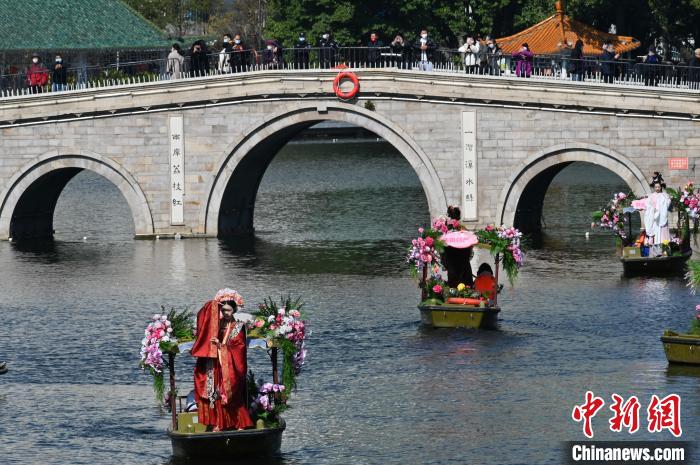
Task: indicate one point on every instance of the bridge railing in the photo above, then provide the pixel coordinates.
(542, 67)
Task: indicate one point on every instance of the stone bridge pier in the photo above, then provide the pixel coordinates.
(514, 135)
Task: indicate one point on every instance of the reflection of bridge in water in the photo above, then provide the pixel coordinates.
(525, 132)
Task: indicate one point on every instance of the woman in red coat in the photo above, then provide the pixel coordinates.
(220, 372)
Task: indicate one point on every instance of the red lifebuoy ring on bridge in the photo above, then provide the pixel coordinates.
(346, 75)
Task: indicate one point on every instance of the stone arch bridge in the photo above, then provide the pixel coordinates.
(491, 144)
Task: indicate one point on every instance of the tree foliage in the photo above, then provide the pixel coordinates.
(673, 22)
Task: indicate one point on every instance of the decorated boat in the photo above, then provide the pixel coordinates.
(638, 255)
(684, 348)
(464, 305)
(276, 328)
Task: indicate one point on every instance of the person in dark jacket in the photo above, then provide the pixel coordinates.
(199, 62)
(374, 51)
(239, 55)
(425, 49)
(402, 51)
(694, 69)
(650, 67)
(301, 52)
(59, 76)
(608, 67)
(328, 53)
(576, 64)
(273, 56)
(490, 57)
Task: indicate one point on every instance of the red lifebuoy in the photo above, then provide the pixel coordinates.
(346, 75)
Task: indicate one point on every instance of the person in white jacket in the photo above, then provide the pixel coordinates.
(175, 62)
(470, 54)
(656, 216)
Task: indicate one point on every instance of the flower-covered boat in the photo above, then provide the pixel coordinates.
(461, 306)
(276, 328)
(636, 255)
(684, 348)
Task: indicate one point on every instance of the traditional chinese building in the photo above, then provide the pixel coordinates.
(552, 34)
(84, 32)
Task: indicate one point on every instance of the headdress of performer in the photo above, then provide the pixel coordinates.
(657, 179)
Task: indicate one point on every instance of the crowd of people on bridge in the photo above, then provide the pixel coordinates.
(477, 55)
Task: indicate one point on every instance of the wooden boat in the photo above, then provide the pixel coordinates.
(681, 348)
(190, 440)
(459, 316)
(675, 264)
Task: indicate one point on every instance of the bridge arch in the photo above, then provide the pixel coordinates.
(27, 204)
(523, 195)
(233, 188)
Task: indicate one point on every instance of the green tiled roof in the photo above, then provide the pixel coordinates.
(74, 24)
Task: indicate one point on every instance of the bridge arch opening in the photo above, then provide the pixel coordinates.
(27, 206)
(523, 198)
(231, 203)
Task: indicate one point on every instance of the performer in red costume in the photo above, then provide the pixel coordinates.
(220, 372)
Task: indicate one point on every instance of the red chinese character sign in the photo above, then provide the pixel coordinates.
(177, 171)
(469, 184)
(678, 163)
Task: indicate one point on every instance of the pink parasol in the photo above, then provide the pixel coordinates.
(459, 239)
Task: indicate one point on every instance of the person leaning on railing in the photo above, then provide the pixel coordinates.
(175, 62)
(650, 67)
(491, 56)
(273, 57)
(374, 47)
(199, 62)
(301, 52)
(694, 69)
(239, 56)
(576, 65)
(402, 52)
(608, 65)
(425, 49)
(59, 77)
(37, 75)
(328, 51)
(470, 54)
(524, 57)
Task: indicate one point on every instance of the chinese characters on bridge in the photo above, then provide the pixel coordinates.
(469, 182)
(661, 414)
(177, 171)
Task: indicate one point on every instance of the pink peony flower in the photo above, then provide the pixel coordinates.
(437, 289)
(259, 323)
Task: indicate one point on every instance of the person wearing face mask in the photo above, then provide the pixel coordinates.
(524, 58)
(374, 47)
(239, 55)
(273, 56)
(37, 75)
(225, 55)
(301, 52)
(402, 51)
(59, 76)
(328, 53)
(425, 51)
(491, 57)
(199, 62)
(470, 54)
(175, 62)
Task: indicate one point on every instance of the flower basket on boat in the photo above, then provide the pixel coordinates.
(463, 306)
(277, 327)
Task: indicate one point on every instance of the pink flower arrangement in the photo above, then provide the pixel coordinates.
(611, 216)
(158, 330)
